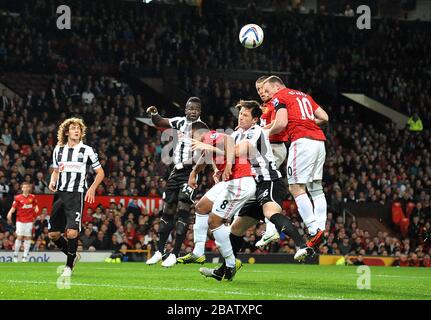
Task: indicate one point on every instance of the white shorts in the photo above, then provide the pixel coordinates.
(229, 197)
(280, 152)
(305, 161)
(24, 229)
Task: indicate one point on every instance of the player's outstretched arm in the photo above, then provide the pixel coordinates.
(321, 117)
(157, 119)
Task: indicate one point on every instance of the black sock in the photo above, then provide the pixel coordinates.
(284, 224)
(61, 243)
(72, 246)
(179, 239)
(237, 243)
(166, 226)
(181, 228)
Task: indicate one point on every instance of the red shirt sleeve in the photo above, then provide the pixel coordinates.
(15, 203)
(314, 105)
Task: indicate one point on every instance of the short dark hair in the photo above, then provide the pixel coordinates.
(261, 79)
(199, 125)
(274, 79)
(251, 105)
(194, 99)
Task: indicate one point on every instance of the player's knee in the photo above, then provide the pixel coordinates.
(236, 230)
(315, 189)
(54, 235)
(181, 227)
(71, 233)
(214, 221)
(297, 189)
(203, 206)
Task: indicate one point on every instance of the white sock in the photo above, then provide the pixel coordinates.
(221, 236)
(27, 244)
(17, 246)
(200, 230)
(305, 208)
(270, 227)
(320, 208)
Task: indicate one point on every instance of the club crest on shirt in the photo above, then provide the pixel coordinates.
(80, 155)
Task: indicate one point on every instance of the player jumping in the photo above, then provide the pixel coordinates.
(302, 117)
(177, 198)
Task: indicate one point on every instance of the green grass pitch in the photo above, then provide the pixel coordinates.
(253, 282)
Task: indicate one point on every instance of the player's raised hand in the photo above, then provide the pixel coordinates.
(152, 109)
(192, 180)
(89, 196)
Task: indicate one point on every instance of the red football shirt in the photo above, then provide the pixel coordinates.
(25, 208)
(300, 109)
(240, 169)
(268, 116)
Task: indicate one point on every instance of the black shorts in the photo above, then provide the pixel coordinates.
(176, 187)
(66, 211)
(266, 191)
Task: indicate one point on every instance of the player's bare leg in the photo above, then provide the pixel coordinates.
(200, 230)
(305, 208)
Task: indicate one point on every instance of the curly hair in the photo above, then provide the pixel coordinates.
(64, 128)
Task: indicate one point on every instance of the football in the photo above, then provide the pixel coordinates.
(251, 36)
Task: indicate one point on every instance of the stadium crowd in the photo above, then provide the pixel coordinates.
(388, 62)
(364, 163)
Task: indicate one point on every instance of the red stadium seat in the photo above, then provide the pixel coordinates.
(410, 207)
(397, 213)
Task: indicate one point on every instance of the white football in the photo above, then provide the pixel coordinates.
(251, 36)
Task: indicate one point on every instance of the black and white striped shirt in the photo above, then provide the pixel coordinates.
(263, 164)
(183, 153)
(72, 166)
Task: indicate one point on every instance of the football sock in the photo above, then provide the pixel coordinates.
(200, 230)
(26, 247)
(320, 208)
(237, 243)
(270, 227)
(17, 246)
(285, 225)
(305, 209)
(61, 243)
(221, 236)
(166, 225)
(72, 246)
